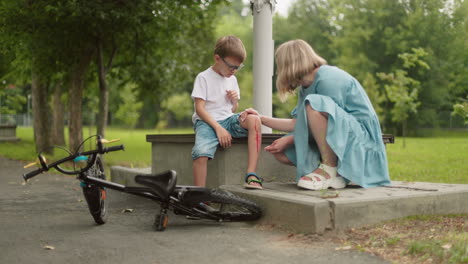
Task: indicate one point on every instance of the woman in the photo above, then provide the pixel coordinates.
(335, 133)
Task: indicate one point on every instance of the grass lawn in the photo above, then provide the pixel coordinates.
(137, 151)
(430, 159)
(441, 157)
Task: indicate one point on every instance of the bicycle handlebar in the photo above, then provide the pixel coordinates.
(46, 167)
(31, 174)
(114, 148)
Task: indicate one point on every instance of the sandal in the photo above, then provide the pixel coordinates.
(335, 182)
(248, 181)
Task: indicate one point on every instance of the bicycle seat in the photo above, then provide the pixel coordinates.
(162, 183)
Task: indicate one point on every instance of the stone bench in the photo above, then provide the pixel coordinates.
(8, 133)
(229, 165)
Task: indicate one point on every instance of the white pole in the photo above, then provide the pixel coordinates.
(263, 56)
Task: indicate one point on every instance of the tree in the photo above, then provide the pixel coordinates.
(402, 90)
(11, 102)
(366, 36)
(66, 36)
(461, 109)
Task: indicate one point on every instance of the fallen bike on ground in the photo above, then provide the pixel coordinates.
(191, 201)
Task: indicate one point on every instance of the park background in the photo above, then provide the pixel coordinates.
(125, 69)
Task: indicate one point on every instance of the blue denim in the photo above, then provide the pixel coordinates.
(206, 141)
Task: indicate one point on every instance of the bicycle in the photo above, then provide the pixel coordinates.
(191, 201)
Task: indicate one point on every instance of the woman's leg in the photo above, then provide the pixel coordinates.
(318, 122)
(281, 157)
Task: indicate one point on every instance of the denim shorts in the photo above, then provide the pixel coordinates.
(206, 141)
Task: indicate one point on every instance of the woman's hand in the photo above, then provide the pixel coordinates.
(279, 145)
(246, 112)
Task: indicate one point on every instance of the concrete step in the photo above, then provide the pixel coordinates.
(304, 211)
(317, 211)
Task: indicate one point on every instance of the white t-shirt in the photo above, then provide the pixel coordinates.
(212, 87)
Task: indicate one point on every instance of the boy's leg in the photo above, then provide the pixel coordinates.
(253, 124)
(200, 171)
(205, 146)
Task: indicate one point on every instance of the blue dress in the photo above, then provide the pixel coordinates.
(353, 130)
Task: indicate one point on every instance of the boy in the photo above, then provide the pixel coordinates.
(216, 98)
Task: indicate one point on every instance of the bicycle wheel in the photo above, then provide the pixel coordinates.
(95, 195)
(225, 206)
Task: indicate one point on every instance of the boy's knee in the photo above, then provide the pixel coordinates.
(253, 119)
(201, 159)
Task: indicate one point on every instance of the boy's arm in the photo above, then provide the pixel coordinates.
(234, 97)
(223, 135)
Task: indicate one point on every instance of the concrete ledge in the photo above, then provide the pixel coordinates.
(126, 176)
(229, 165)
(290, 210)
(305, 211)
(8, 133)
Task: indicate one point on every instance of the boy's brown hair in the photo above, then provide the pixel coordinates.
(230, 46)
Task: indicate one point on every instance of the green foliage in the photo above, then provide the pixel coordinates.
(128, 112)
(283, 109)
(461, 109)
(401, 89)
(162, 45)
(451, 250)
(11, 100)
(403, 92)
(366, 36)
(180, 106)
(147, 39)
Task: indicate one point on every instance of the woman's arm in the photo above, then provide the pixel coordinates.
(282, 124)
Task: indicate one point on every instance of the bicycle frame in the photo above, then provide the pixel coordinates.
(173, 201)
(192, 201)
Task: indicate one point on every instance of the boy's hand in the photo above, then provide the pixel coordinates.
(224, 137)
(233, 96)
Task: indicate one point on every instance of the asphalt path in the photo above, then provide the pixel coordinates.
(47, 221)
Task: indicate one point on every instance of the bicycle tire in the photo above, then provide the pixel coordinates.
(222, 205)
(95, 195)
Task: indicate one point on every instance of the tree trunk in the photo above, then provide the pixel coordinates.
(75, 97)
(404, 133)
(58, 108)
(103, 92)
(41, 111)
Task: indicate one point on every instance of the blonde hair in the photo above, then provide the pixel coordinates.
(294, 60)
(230, 46)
